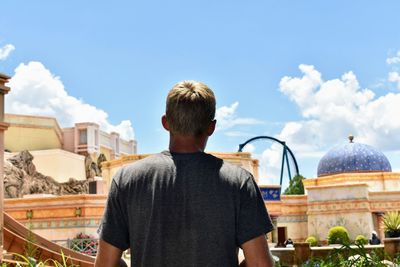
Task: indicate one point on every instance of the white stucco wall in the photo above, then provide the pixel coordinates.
(59, 164)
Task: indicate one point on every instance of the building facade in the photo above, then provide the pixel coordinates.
(41, 133)
(355, 187)
(62, 152)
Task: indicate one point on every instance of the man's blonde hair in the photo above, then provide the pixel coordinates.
(190, 108)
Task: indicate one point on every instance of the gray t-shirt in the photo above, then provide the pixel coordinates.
(189, 209)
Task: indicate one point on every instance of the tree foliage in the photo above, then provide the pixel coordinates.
(296, 186)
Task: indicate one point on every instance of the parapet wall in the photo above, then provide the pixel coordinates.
(242, 159)
(57, 218)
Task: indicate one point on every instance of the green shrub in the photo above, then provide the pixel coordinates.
(338, 235)
(296, 186)
(350, 256)
(361, 240)
(312, 241)
(391, 220)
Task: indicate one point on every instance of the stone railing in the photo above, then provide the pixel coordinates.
(301, 252)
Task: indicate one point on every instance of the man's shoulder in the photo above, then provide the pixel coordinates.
(228, 167)
(234, 173)
(145, 166)
(158, 160)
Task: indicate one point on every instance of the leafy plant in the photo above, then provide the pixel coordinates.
(346, 256)
(391, 222)
(296, 186)
(26, 261)
(312, 241)
(30, 250)
(338, 235)
(396, 259)
(361, 240)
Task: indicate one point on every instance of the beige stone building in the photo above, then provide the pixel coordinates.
(60, 152)
(241, 159)
(354, 189)
(355, 186)
(3, 127)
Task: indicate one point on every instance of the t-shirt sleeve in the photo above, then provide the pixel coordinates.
(114, 225)
(253, 219)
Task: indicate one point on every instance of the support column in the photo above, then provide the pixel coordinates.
(381, 229)
(3, 126)
(274, 232)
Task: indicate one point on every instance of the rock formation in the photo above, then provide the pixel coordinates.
(91, 168)
(21, 178)
(102, 158)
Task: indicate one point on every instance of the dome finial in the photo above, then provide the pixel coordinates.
(351, 138)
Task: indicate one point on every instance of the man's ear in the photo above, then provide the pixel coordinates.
(164, 122)
(211, 127)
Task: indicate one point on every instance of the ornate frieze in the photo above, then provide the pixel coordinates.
(54, 224)
(292, 219)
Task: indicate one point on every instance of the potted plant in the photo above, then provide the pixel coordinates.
(391, 221)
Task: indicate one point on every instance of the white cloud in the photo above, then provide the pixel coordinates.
(226, 117)
(250, 148)
(394, 77)
(270, 164)
(300, 89)
(331, 110)
(238, 134)
(335, 108)
(5, 51)
(36, 91)
(394, 60)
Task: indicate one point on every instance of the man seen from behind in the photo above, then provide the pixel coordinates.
(183, 207)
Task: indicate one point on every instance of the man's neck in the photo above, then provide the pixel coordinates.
(187, 144)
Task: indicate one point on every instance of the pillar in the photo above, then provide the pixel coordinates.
(381, 227)
(3, 126)
(274, 232)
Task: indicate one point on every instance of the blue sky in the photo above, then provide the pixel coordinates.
(116, 62)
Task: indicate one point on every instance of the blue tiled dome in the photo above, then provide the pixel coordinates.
(353, 157)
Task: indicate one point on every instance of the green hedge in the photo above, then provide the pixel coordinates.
(338, 235)
(361, 240)
(312, 241)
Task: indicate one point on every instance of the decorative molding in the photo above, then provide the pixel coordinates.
(57, 224)
(293, 219)
(337, 201)
(384, 205)
(345, 178)
(332, 207)
(347, 185)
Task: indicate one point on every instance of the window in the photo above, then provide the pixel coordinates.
(83, 137)
(117, 145)
(96, 137)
